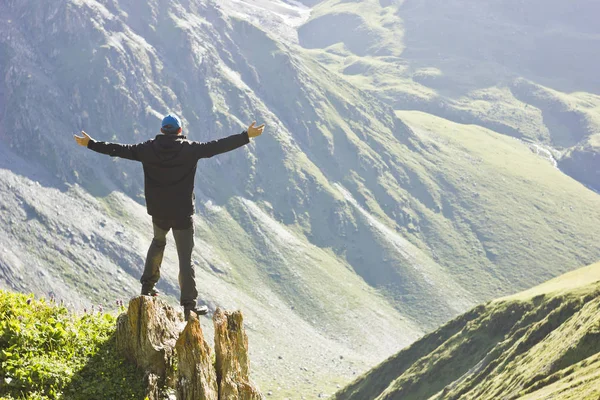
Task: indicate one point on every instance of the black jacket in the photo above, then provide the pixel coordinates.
(170, 168)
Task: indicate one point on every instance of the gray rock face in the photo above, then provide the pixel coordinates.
(583, 164)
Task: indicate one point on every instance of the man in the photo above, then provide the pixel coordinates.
(169, 161)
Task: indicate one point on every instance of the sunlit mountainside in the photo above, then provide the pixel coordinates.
(538, 344)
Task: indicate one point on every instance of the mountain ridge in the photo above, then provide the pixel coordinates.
(490, 64)
(513, 347)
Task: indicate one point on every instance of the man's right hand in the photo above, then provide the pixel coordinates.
(254, 131)
(82, 141)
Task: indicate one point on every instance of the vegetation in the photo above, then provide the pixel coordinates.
(49, 352)
(540, 344)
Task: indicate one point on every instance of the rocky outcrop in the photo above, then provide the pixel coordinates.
(148, 334)
(196, 376)
(232, 362)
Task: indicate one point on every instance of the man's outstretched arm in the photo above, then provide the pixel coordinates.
(128, 151)
(209, 149)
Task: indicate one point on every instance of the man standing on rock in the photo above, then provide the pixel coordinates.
(169, 161)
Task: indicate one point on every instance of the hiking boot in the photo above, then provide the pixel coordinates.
(149, 292)
(198, 310)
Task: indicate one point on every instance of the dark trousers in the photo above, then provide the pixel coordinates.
(183, 232)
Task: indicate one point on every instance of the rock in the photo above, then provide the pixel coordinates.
(232, 363)
(196, 375)
(146, 335)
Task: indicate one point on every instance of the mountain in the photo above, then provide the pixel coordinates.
(523, 69)
(373, 208)
(538, 344)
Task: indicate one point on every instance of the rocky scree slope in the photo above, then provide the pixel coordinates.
(539, 344)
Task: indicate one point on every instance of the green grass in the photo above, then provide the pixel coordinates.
(569, 283)
(500, 200)
(539, 344)
(48, 352)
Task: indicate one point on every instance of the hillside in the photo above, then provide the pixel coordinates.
(46, 351)
(370, 193)
(523, 69)
(539, 344)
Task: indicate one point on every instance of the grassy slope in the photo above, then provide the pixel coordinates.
(539, 344)
(385, 172)
(478, 174)
(47, 352)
